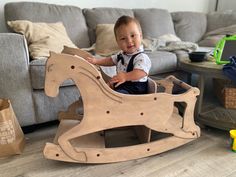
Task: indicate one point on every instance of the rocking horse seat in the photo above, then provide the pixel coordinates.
(82, 139)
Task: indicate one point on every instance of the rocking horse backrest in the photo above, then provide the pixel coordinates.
(152, 86)
(76, 51)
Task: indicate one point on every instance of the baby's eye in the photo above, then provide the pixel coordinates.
(133, 35)
(122, 39)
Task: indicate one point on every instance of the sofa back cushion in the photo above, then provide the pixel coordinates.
(71, 17)
(154, 22)
(101, 15)
(217, 20)
(189, 26)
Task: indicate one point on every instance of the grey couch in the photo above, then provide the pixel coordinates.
(22, 80)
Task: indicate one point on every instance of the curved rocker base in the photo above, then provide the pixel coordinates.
(91, 148)
(118, 154)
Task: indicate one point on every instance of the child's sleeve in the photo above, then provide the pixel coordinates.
(114, 59)
(142, 62)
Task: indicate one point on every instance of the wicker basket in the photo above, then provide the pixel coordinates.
(225, 92)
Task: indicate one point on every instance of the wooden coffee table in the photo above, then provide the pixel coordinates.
(209, 110)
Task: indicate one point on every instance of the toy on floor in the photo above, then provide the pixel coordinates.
(233, 139)
(79, 138)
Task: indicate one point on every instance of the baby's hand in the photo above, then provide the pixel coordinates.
(92, 60)
(120, 78)
(110, 85)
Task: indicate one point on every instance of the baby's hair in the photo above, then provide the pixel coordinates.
(125, 20)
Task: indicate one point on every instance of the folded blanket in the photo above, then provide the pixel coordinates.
(180, 45)
(168, 42)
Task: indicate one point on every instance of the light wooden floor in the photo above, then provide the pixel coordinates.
(210, 156)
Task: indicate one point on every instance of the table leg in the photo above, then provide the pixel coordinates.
(189, 78)
(201, 85)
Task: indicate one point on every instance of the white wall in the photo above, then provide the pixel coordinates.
(224, 5)
(171, 5)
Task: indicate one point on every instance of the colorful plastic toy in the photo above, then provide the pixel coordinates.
(224, 49)
(233, 138)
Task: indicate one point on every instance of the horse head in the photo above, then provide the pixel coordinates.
(51, 83)
(60, 67)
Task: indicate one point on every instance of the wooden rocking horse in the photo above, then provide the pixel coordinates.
(79, 138)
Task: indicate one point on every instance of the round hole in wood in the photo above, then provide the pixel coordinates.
(98, 77)
(57, 155)
(98, 155)
(72, 67)
(155, 98)
(148, 149)
(141, 113)
(108, 112)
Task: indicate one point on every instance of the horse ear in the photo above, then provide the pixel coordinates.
(51, 54)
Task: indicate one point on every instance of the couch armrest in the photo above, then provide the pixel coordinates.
(14, 76)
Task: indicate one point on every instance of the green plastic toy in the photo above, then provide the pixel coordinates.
(225, 48)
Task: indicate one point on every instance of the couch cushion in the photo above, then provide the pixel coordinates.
(217, 20)
(37, 74)
(162, 62)
(190, 26)
(218, 25)
(103, 16)
(154, 22)
(71, 16)
(106, 44)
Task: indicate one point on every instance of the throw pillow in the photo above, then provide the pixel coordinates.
(42, 37)
(210, 41)
(105, 40)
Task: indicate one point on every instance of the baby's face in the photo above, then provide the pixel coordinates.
(129, 37)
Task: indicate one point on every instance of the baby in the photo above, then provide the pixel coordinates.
(132, 63)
